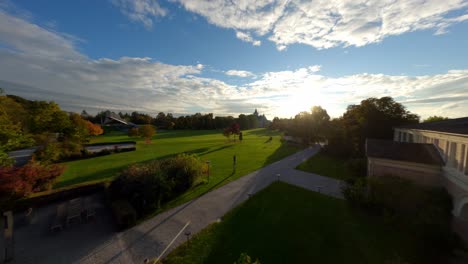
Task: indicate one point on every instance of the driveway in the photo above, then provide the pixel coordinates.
(149, 239)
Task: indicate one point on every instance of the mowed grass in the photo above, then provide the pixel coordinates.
(252, 153)
(325, 165)
(288, 224)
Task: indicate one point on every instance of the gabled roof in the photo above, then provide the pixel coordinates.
(454, 126)
(402, 151)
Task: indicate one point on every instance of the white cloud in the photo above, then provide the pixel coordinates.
(239, 73)
(247, 38)
(142, 11)
(20, 35)
(328, 23)
(47, 66)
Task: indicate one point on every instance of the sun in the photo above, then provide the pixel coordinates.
(298, 102)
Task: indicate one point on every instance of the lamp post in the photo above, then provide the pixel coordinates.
(208, 164)
(187, 234)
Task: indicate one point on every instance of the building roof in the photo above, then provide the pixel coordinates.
(402, 151)
(454, 126)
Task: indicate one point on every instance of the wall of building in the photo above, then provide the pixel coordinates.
(454, 150)
(423, 174)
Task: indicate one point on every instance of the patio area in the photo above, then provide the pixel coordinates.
(63, 232)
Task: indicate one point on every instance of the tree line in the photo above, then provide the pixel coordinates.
(346, 135)
(197, 121)
(25, 123)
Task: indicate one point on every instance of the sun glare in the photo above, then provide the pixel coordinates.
(299, 102)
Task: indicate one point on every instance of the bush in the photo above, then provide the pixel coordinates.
(147, 186)
(182, 172)
(422, 211)
(17, 182)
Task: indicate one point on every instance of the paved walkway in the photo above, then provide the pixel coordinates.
(149, 239)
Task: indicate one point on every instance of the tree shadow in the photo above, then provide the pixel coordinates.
(184, 133)
(283, 151)
(261, 132)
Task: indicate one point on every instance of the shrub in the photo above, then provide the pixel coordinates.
(182, 171)
(147, 186)
(424, 212)
(33, 177)
(246, 259)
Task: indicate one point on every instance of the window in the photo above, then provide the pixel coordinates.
(410, 138)
(452, 158)
(400, 138)
(462, 164)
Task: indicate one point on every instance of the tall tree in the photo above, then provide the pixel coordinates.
(374, 118)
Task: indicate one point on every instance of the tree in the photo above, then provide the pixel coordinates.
(33, 177)
(94, 129)
(147, 131)
(374, 118)
(233, 129)
(434, 119)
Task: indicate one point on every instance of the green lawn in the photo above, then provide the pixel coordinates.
(288, 224)
(325, 165)
(252, 153)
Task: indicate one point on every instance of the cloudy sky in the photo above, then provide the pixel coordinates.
(232, 56)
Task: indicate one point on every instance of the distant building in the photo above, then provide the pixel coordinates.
(262, 120)
(112, 119)
(434, 154)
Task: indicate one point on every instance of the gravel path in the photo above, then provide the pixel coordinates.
(149, 239)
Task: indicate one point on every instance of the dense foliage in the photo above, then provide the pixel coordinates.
(423, 212)
(18, 182)
(435, 119)
(147, 186)
(372, 118)
(25, 123)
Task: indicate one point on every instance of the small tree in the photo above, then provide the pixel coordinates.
(94, 129)
(227, 132)
(147, 131)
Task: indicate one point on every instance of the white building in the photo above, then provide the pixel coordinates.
(411, 155)
(450, 137)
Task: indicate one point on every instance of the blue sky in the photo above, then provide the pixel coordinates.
(229, 57)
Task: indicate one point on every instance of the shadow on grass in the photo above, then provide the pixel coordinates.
(283, 151)
(184, 133)
(110, 173)
(262, 132)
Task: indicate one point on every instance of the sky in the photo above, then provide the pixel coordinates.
(229, 57)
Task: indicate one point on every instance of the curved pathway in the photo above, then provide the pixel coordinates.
(149, 239)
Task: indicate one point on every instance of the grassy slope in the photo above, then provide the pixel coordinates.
(287, 224)
(252, 153)
(325, 165)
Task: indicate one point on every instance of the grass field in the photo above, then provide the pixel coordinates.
(287, 224)
(325, 165)
(254, 152)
